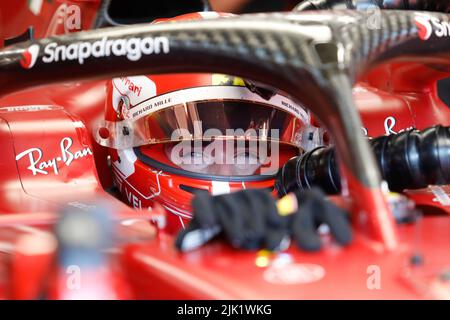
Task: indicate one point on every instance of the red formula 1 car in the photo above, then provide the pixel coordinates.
(92, 200)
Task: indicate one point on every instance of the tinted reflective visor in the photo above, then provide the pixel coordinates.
(207, 120)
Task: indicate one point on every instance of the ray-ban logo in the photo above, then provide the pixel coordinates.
(39, 165)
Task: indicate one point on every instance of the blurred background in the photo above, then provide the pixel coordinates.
(247, 6)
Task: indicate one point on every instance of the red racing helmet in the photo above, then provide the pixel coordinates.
(171, 136)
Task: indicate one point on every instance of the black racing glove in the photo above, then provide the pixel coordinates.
(314, 210)
(249, 219)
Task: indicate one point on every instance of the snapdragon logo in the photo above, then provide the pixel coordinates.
(427, 24)
(133, 49)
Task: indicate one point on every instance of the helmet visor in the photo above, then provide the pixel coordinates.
(279, 120)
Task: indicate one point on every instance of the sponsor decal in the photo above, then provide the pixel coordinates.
(123, 108)
(31, 108)
(133, 199)
(133, 49)
(132, 87)
(67, 157)
(157, 104)
(225, 92)
(132, 90)
(389, 127)
(66, 18)
(29, 56)
(294, 273)
(82, 206)
(427, 25)
(441, 195)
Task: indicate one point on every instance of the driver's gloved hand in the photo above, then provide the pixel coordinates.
(314, 210)
(249, 219)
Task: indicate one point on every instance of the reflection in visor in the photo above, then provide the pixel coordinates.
(283, 122)
(217, 117)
